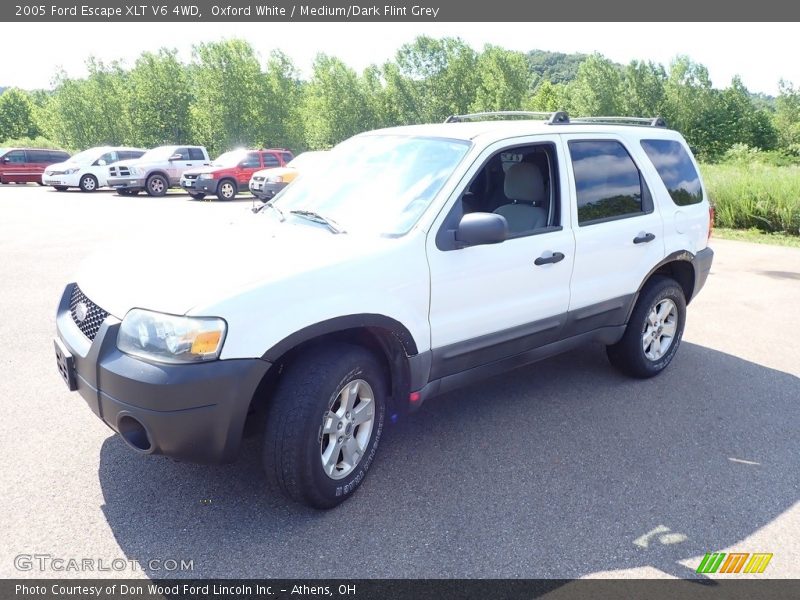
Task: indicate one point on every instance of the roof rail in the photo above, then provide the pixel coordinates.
(552, 118)
(641, 121)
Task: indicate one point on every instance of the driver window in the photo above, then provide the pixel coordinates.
(520, 184)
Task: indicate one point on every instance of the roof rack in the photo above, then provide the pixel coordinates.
(641, 121)
(552, 118)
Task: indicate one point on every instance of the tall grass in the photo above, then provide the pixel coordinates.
(755, 196)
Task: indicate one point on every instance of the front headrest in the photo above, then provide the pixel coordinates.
(524, 183)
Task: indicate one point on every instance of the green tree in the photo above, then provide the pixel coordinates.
(335, 104)
(17, 115)
(230, 93)
(787, 116)
(159, 100)
(283, 99)
(503, 80)
(597, 89)
(440, 76)
(548, 97)
(643, 89)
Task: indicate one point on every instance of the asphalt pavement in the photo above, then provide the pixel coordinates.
(562, 469)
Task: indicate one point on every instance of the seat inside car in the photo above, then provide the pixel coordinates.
(524, 187)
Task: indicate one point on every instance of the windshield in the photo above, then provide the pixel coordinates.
(230, 159)
(304, 160)
(158, 154)
(377, 183)
(87, 156)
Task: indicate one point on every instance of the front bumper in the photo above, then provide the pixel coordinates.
(127, 183)
(200, 186)
(264, 190)
(61, 179)
(194, 412)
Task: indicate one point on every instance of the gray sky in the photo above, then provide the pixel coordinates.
(761, 53)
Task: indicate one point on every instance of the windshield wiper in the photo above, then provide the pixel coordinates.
(318, 218)
(269, 204)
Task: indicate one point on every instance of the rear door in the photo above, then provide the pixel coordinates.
(618, 229)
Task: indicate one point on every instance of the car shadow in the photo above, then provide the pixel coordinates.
(556, 470)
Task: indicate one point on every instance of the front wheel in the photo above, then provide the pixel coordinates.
(654, 330)
(226, 189)
(157, 186)
(88, 183)
(324, 424)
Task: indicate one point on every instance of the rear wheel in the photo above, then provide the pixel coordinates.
(226, 189)
(654, 330)
(88, 183)
(157, 185)
(324, 424)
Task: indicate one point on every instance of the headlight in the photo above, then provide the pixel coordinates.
(206, 176)
(135, 171)
(275, 179)
(170, 338)
(72, 170)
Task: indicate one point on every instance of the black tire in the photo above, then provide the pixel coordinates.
(227, 189)
(197, 196)
(128, 192)
(293, 438)
(628, 355)
(60, 188)
(88, 183)
(156, 186)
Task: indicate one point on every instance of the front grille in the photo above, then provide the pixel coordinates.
(189, 176)
(119, 171)
(258, 178)
(94, 314)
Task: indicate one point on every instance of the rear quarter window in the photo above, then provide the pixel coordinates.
(676, 170)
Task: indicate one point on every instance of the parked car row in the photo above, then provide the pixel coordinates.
(129, 171)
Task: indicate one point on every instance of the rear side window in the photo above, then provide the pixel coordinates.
(129, 154)
(270, 160)
(56, 156)
(39, 156)
(607, 181)
(196, 154)
(676, 170)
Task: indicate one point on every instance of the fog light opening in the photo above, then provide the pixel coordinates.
(134, 434)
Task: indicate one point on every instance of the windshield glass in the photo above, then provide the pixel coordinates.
(230, 159)
(157, 154)
(376, 183)
(304, 160)
(86, 157)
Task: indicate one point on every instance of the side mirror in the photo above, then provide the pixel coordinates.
(476, 229)
(175, 157)
(102, 162)
(6, 160)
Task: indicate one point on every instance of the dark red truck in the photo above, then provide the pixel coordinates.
(231, 172)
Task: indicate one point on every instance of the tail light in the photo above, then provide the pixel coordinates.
(711, 214)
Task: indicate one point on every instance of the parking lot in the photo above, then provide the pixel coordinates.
(562, 469)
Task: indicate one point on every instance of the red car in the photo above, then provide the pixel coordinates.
(231, 172)
(26, 165)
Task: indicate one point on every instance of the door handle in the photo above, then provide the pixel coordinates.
(643, 238)
(548, 260)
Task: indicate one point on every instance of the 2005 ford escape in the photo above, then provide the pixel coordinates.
(416, 260)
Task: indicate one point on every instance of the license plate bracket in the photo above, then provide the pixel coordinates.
(66, 365)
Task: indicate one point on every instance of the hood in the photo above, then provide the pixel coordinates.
(206, 169)
(67, 164)
(211, 264)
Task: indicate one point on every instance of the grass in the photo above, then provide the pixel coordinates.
(755, 196)
(756, 236)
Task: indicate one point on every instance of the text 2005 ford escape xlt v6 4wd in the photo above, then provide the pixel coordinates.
(415, 260)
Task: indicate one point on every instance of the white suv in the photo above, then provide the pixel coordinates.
(87, 170)
(418, 259)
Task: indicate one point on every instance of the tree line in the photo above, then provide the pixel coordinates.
(227, 97)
